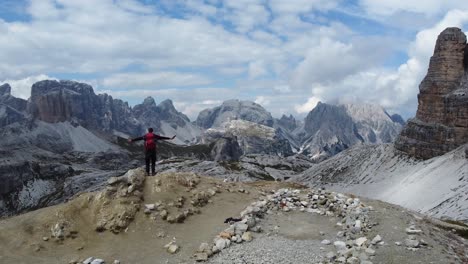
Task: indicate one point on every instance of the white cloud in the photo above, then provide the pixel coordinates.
(154, 80)
(257, 69)
(22, 88)
(263, 101)
(273, 51)
(331, 61)
(429, 7)
(308, 106)
(282, 88)
(301, 6)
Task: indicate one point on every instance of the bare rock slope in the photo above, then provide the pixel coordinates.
(384, 173)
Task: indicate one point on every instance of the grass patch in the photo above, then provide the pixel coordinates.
(463, 232)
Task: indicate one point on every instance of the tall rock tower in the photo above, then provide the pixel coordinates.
(441, 122)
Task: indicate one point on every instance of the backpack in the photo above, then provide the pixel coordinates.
(150, 141)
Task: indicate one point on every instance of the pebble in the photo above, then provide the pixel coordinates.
(98, 261)
(201, 257)
(412, 231)
(326, 242)
(171, 247)
(247, 236)
(411, 243)
(376, 239)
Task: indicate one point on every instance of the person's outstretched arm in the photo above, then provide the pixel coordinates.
(158, 137)
(136, 139)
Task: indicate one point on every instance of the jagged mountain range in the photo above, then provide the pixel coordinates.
(65, 138)
(327, 130)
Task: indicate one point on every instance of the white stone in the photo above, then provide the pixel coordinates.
(341, 260)
(88, 260)
(360, 241)
(116, 261)
(370, 252)
(411, 243)
(411, 231)
(326, 242)
(247, 236)
(339, 245)
(221, 243)
(97, 261)
(150, 207)
(240, 228)
(376, 239)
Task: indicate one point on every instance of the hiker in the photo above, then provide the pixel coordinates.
(150, 148)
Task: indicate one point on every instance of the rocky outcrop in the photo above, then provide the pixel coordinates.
(9, 115)
(286, 122)
(226, 149)
(234, 110)
(398, 119)
(166, 120)
(28, 185)
(7, 99)
(117, 115)
(252, 138)
(5, 89)
(60, 101)
(441, 122)
(330, 129)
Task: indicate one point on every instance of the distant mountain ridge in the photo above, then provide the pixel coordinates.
(327, 129)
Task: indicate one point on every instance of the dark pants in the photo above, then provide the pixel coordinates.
(150, 156)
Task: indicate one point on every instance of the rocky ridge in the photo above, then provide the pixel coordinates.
(441, 122)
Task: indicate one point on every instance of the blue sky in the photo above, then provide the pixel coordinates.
(285, 55)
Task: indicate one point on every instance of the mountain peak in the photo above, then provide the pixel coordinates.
(232, 110)
(149, 101)
(5, 89)
(167, 105)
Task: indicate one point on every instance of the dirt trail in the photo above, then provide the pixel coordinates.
(21, 237)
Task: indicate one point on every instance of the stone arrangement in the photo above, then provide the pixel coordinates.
(352, 245)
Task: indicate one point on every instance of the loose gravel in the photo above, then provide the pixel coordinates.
(270, 249)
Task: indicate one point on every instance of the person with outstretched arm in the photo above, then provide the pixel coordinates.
(150, 148)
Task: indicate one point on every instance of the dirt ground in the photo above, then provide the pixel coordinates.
(21, 237)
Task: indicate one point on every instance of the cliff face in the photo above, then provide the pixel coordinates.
(441, 122)
(330, 129)
(234, 110)
(59, 101)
